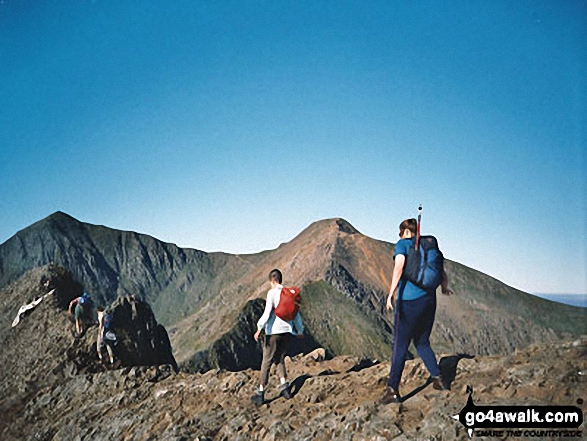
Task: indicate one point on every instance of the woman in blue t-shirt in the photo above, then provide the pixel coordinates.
(414, 317)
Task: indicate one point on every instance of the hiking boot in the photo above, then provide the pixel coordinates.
(390, 396)
(286, 392)
(438, 383)
(258, 398)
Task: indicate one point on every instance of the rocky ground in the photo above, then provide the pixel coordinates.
(334, 399)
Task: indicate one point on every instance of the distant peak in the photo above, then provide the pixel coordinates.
(345, 226)
(61, 216)
(57, 218)
(340, 224)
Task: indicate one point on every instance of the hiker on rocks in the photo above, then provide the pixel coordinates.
(80, 311)
(106, 335)
(281, 320)
(46, 283)
(415, 307)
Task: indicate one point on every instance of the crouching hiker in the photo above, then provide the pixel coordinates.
(418, 271)
(106, 335)
(80, 312)
(281, 320)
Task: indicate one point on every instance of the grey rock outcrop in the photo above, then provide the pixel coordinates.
(141, 340)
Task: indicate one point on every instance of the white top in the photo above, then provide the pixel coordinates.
(272, 323)
(100, 326)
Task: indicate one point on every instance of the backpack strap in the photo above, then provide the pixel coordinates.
(418, 226)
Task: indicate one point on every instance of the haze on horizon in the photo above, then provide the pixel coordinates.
(233, 126)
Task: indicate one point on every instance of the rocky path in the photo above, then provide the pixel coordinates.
(334, 399)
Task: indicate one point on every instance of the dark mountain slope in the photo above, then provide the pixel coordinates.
(111, 263)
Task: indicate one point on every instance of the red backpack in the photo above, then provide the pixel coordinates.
(289, 303)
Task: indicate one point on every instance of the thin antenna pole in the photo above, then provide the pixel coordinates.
(418, 227)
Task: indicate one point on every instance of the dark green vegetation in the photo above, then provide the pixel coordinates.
(203, 298)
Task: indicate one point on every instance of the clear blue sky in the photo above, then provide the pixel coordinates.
(233, 125)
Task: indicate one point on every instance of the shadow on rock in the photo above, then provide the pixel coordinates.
(416, 391)
(297, 384)
(448, 369)
(363, 364)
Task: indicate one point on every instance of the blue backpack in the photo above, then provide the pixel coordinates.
(108, 322)
(425, 265)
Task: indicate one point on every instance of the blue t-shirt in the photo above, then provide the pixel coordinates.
(407, 290)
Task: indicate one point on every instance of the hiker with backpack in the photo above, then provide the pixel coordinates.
(281, 320)
(418, 271)
(80, 311)
(106, 334)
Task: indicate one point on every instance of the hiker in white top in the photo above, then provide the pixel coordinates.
(106, 336)
(278, 336)
(273, 324)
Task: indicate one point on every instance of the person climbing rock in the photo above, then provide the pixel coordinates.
(415, 307)
(106, 335)
(80, 311)
(281, 320)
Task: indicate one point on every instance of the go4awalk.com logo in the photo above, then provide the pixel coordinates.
(520, 421)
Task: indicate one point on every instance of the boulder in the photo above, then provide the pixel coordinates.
(316, 355)
(141, 340)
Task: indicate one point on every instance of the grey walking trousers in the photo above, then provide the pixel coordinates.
(274, 351)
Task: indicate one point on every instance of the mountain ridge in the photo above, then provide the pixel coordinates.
(199, 296)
